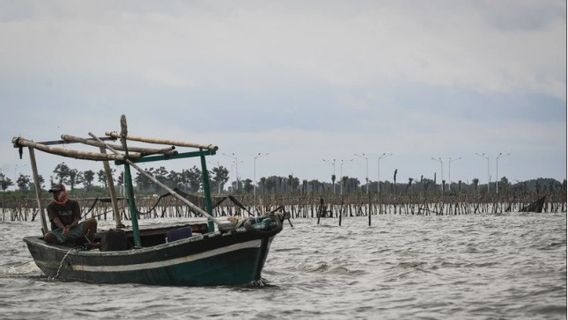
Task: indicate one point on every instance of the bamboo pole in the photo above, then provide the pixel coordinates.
(114, 134)
(37, 185)
(22, 142)
(131, 150)
(111, 191)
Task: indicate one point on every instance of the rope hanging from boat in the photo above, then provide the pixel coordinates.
(61, 264)
(285, 215)
(265, 226)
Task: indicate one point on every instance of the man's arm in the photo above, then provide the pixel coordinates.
(58, 223)
(74, 223)
(54, 217)
(76, 215)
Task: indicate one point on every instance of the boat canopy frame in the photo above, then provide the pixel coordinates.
(128, 157)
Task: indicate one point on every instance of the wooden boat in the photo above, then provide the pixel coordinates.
(230, 258)
(190, 254)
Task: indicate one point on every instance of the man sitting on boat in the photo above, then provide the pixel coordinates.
(64, 215)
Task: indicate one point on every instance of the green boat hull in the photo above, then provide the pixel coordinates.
(229, 259)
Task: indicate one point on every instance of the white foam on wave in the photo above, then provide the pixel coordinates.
(21, 269)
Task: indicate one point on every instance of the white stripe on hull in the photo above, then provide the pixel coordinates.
(171, 262)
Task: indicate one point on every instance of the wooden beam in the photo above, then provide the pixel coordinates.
(54, 142)
(142, 151)
(37, 186)
(22, 142)
(182, 155)
(112, 192)
(114, 134)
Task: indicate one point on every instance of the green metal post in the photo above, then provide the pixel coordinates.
(132, 205)
(206, 191)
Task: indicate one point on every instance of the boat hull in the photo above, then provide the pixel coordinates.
(229, 259)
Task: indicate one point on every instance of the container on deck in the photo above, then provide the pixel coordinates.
(114, 240)
(178, 234)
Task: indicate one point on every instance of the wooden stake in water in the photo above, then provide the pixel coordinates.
(369, 208)
(320, 210)
(341, 211)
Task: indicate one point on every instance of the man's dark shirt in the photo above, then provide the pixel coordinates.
(67, 212)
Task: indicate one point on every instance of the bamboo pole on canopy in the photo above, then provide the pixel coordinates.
(112, 192)
(142, 151)
(76, 154)
(114, 134)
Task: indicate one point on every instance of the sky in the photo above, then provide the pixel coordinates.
(300, 80)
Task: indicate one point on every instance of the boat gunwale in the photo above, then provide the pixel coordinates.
(38, 241)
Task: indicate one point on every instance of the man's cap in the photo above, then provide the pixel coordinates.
(57, 188)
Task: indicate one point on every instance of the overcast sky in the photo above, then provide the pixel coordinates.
(301, 80)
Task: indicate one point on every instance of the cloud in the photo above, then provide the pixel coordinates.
(165, 78)
(297, 79)
(258, 47)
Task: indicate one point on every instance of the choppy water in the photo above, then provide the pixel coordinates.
(403, 267)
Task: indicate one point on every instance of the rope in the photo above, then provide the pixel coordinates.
(102, 213)
(61, 264)
(91, 208)
(155, 204)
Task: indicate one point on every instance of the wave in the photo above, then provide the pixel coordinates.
(25, 269)
(324, 267)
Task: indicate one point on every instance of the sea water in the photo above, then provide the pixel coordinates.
(510, 266)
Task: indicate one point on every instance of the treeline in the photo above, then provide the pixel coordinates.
(190, 180)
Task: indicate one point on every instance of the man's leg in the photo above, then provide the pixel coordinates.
(85, 231)
(90, 228)
(54, 237)
(50, 238)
